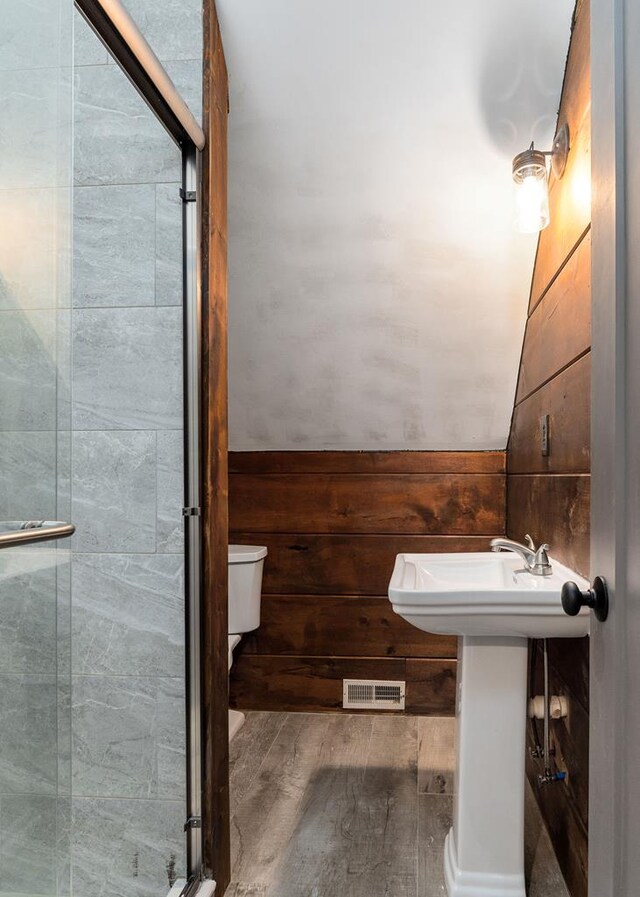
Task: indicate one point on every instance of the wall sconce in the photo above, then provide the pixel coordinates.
(530, 175)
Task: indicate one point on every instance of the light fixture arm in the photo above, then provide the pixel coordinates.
(558, 152)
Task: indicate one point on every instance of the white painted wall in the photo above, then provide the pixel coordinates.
(378, 289)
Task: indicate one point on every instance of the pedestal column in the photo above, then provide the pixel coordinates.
(484, 851)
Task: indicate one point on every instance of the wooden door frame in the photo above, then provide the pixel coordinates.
(214, 462)
(614, 815)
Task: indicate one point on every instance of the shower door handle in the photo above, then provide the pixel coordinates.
(36, 534)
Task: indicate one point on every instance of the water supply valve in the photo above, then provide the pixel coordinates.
(558, 707)
(549, 778)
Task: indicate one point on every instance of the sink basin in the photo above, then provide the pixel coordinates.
(494, 605)
(483, 594)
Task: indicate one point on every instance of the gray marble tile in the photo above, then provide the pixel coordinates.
(171, 739)
(113, 736)
(173, 28)
(114, 491)
(128, 737)
(168, 245)
(28, 641)
(64, 753)
(127, 368)
(87, 48)
(28, 844)
(28, 736)
(126, 848)
(63, 478)
(64, 243)
(28, 370)
(63, 607)
(187, 77)
(28, 248)
(31, 34)
(63, 645)
(117, 138)
(170, 527)
(28, 476)
(114, 245)
(63, 370)
(128, 615)
(63, 840)
(37, 103)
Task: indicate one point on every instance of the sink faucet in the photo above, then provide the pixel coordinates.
(536, 559)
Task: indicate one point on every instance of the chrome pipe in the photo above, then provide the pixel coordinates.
(28, 535)
(546, 745)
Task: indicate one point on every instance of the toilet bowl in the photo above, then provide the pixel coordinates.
(245, 594)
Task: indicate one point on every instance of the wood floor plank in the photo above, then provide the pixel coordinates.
(435, 818)
(330, 817)
(436, 754)
(542, 873)
(238, 889)
(265, 821)
(334, 809)
(382, 856)
(249, 749)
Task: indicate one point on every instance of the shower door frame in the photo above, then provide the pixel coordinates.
(119, 33)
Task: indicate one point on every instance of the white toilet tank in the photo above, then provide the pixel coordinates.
(245, 586)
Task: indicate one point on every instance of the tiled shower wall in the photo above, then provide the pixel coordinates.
(35, 212)
(127, 613)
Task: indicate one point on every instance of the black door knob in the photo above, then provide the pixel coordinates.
(597, 598)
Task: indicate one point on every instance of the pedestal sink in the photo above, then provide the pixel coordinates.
(494, 605)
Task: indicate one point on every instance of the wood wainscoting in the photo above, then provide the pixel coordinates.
(548, 496)
(333, 523)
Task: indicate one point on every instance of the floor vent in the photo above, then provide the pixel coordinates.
(369, 694)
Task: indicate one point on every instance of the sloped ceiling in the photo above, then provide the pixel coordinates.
(378, 289)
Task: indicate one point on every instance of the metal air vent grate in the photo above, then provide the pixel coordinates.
(372, 694)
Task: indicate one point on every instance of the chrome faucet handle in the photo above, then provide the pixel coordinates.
(541, 563)
(530, 542)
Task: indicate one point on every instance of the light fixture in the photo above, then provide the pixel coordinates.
(530, 175)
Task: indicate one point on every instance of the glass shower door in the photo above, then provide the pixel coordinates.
(92, 629)
(35, 265)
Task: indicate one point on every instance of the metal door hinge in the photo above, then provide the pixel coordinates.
(187, 195)
(193, 822)
(191, 512)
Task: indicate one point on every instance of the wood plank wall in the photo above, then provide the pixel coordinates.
(549, 496)
(333, 523)
(214, 638)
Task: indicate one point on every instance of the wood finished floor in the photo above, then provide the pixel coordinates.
(337, 805)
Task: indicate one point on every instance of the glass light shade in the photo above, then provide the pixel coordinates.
(531, 197)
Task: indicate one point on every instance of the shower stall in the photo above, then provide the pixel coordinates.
(99, 471)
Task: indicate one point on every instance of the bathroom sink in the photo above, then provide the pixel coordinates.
(483, 594)
(494, 604)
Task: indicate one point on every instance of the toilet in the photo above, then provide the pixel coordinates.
(245, 593)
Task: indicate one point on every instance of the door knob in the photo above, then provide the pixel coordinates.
(597, 598)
